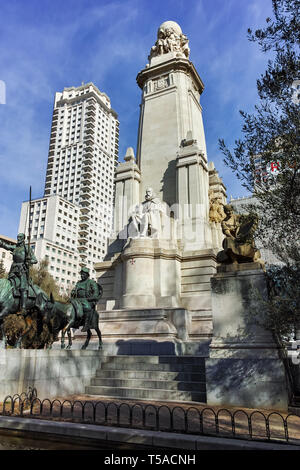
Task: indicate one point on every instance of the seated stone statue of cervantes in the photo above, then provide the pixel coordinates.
(146, 218)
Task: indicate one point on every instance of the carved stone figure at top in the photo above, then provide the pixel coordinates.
(146, 218)
(170, 39)
(239, 246)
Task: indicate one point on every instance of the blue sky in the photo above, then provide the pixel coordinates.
(48, 45)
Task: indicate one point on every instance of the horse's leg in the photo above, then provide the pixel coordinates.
(3, 335)
(88, 337)
(100, 337)
(28, 325)
(53, 337)
(65, 330)
(62, 341)
(69, 338)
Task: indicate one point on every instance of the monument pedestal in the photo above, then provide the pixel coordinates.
(155, 331)
(155, 294)
(52, 372)
(244, 368)
(151, 274)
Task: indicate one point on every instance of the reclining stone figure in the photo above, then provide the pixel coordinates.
(239, 246)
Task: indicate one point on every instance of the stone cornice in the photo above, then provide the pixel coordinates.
(153, 94)
(155, 253)
(128, 176)
(127, 166)
(127, 170)
(174, 64)
(191, 155)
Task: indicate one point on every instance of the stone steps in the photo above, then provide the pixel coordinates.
(151, 384)
(124, 359)
(146, 394)
(189, 364)
(155, 367)
(160, 378)
(148, 374)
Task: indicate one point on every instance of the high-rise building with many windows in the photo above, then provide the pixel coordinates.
(83, 154)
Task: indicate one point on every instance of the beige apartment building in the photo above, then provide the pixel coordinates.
(74, 217)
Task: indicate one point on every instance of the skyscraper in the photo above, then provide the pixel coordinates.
(83, 153)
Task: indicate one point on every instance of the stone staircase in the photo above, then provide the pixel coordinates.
(160, 378)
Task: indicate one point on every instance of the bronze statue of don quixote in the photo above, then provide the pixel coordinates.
(29, 318)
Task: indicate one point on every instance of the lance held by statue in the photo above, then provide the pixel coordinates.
(23, 258)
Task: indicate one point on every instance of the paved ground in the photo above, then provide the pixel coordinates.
(172, 415)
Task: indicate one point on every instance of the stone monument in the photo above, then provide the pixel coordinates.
(163, 291)
(156, 276)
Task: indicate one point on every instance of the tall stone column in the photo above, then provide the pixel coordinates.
(170, 108)
(192, 195)
(127, 181)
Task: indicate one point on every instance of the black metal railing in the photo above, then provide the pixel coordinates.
(255, 425)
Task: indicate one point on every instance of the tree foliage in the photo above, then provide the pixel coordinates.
(281, 309)
(270, 138)
(41, 276)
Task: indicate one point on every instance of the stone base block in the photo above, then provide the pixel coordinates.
(244, 367)
(51, 372)
(153, 323)
(144, 331)
(155, 331)
(249, 383)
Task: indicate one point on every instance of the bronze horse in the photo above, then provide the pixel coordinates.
(64, 316)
